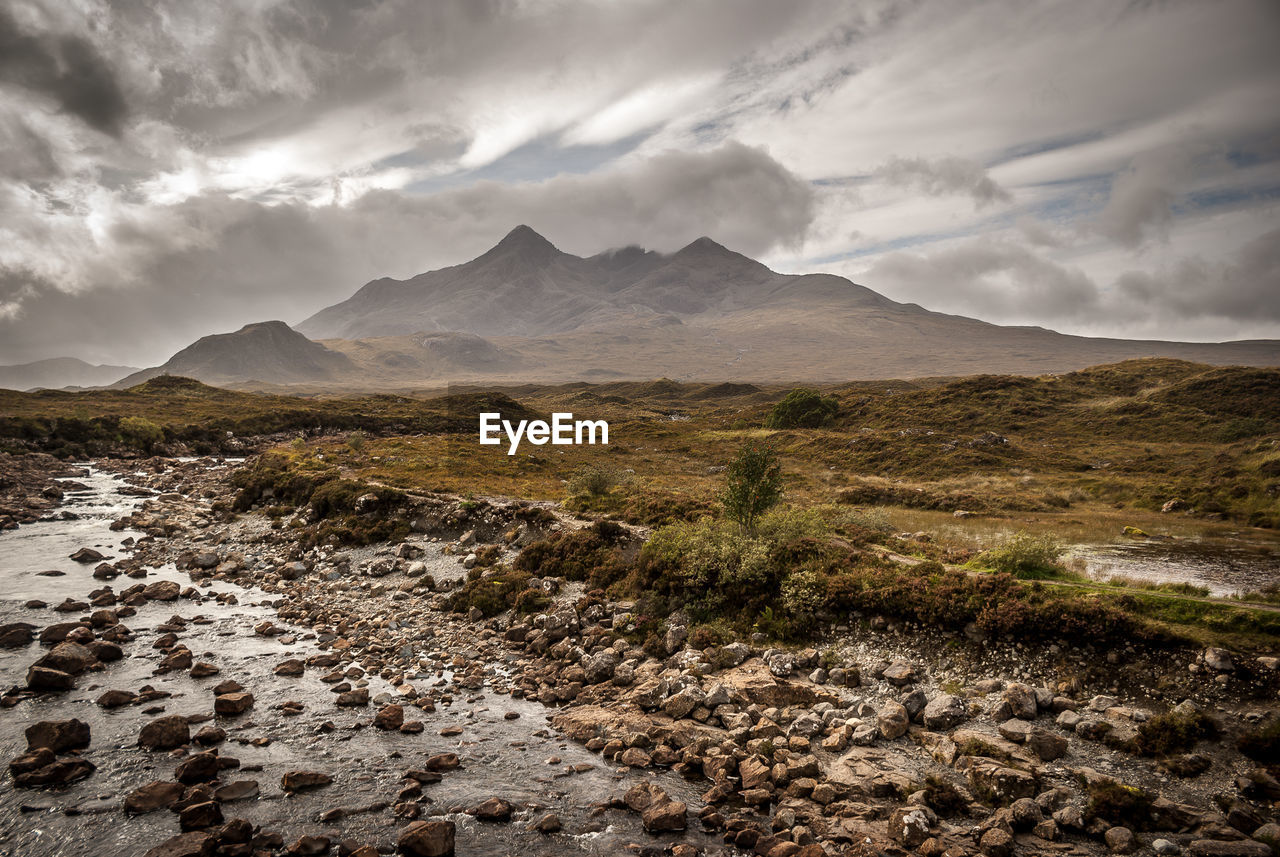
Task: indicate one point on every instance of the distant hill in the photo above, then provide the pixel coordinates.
(59, 372)
(526, 312)
(269, 352)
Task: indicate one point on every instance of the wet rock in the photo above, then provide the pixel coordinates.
(16, 634)
(1046, 745)
(549, 823)
(493, 809)
(442, 762)
(153, 796)
(231, 704)
(427, 839)
(210, 735)
(200, 816)
(162, 590)
(200, 768)
(290, 668)
(236, 790)
(664, 816)
(309, 846)
(46, 679)
(68, 657)
(194, 844)
(354, 698)
(87, 555)
(203, 670)
(390, 717)
(58, 735)
(165, 733)
(297, 781)
(61, 772)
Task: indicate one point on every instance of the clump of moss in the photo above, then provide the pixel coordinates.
(1119, 804)
(595, 554)
(1263, 743)
(943, 797)
(1175, 732)
(493, 593)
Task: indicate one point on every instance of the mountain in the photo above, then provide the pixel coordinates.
(268, 352)
(701, 313)
(58, 372)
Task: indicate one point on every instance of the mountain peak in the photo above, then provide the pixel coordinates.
(524, 237)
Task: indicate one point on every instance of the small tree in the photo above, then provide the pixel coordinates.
(754, 484)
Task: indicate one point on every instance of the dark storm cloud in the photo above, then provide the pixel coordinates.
(67, 69)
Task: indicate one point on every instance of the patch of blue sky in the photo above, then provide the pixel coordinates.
(540, 159)
(1040, 147)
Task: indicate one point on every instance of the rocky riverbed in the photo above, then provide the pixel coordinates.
(184, 680)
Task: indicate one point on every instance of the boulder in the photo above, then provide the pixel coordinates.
(165, 733)
(297, 781)
(427, 839)
(893, 720)
(944, 711)
(58, 735)
(153, 796)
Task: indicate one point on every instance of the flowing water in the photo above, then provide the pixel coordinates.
(521, 759)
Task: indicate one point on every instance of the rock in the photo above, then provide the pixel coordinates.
(1120, 840)
(16, 634)
(427, 839)
(45, 679)
(203, 670)
(87, 555)
(236, 790)
(354, 698)
(900, 674)
(60, 772)
(893, 721)
(493, 809)
(910, 825)
(1218, 660)
(231, 704)
(680, 704)
(165, 733)
(1216, 848)
(290, 668)
(996, 843)
(69, 657)
(58, 735)
(390, 717)
(200, 816)
(1164, 847)
(298, 781)
(210, 735)
(994, 781)
(549, 823)
(664, 816)
(1022, 700)
(1015, 730)
(162, 590)
(194, 844)
(199, 768)
(442, 762)
(1047, 745)
(158, 795)
(944, 711)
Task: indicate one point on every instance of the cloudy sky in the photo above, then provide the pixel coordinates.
(170, 169)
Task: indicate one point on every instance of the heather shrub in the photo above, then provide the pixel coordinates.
(803, 408)
(1024, 556)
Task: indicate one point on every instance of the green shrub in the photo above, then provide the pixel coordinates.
(1024, 556)
(140, 432)
(1263, 743)
(594, 480)
(1118, 804)
(1174, 732)
(754, 484)
(596, 555)
(493, 594)
(803, 408)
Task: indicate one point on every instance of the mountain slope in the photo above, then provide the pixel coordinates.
(58, 372)
(270, 352)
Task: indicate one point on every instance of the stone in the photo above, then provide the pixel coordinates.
(493, 809)
(996, 843)
(87, 555)
(1022, 700)
(354, 698)
(290, 668)
(442, 762)
(664, 816)
(1120, 840)
(153, 796)
(944, 711)
(231, 704)
(910, 825)
(199, 768)
(1165, 847)
(1217, 848)
(1218, 660)
(236, 790)
(165, 733)
(298, 781)
(197, 843)
(16, 634)
(58, 735)
(200, 816)
(427, 839)
(893, 721)
(46, 679)
(162, 590)
(1046, 745)
(900, 674)
(390, 717)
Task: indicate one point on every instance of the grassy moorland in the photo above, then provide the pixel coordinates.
(1079, 452)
